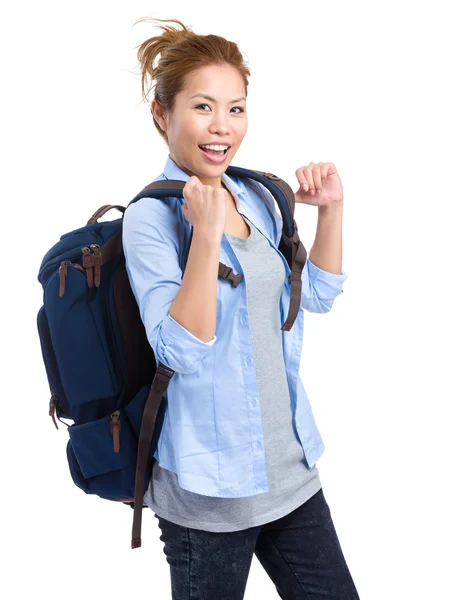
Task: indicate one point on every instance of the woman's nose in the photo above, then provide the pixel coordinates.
(219, 124)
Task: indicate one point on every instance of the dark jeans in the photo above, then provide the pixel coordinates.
(300, 552)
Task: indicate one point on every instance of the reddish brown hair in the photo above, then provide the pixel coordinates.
(181, 52)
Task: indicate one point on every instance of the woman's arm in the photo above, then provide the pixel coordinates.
(151, 251)
(326, 252)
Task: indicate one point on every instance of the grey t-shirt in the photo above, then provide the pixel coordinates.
(291, 481)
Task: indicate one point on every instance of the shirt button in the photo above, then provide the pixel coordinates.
(249, 361)
(254, 401)
(243, 320)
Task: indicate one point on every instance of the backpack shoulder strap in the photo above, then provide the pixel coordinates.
(290, 243)
(279, 188)
(174, 188)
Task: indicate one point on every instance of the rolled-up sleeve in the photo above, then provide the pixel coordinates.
(151, 249)
(320, 288)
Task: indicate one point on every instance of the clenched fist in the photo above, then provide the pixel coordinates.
(205, 208)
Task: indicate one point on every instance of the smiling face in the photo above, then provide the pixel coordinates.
(210, 110)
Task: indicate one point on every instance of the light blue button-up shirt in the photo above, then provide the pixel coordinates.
(212, 433)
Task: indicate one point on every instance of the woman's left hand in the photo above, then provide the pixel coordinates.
(324, 180)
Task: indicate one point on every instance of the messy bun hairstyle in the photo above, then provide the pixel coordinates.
(180, 52)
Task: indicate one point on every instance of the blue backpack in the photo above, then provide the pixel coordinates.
(101, 369)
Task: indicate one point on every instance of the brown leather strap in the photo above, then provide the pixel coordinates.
(112, 248)
(165, 183)
(149, 417)
(298, 262)
(102, 211)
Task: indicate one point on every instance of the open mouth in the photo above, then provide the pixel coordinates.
(211, 152)
(214, 156)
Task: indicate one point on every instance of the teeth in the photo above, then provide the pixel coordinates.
(215, 147)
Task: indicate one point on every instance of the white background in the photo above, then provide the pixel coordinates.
(372, 87)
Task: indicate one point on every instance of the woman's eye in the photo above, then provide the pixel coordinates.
(239, 107)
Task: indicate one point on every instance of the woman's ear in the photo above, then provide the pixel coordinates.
(158, 115)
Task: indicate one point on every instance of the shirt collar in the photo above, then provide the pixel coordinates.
(173, 171)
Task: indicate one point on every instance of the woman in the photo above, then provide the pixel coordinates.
(235, 471)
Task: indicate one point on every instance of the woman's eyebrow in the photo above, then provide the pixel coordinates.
(213, 100)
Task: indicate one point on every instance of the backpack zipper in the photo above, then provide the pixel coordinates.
(97, 263)
(53, 402)
(56, 408)
(91, 261)
(63, 274)
(115, 427)
(88, 264)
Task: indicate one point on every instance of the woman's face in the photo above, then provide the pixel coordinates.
(196, 120)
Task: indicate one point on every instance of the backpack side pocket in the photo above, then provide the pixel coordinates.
(102, 454)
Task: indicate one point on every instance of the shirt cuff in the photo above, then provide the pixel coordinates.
(327, 285)
(179, 349)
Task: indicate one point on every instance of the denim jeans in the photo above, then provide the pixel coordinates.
(300, 552)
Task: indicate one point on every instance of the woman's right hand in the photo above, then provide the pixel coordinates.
(205, 208)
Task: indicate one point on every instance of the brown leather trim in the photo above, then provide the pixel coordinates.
(159, 385)
(102, 211)
(62, 277)
(155, 185)
(97, 266)
(112, 248)
(296, 282)
(115, 428)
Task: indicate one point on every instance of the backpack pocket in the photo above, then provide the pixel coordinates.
(102, 454)
(77, 326)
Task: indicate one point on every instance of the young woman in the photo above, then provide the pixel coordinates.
(235, 473)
